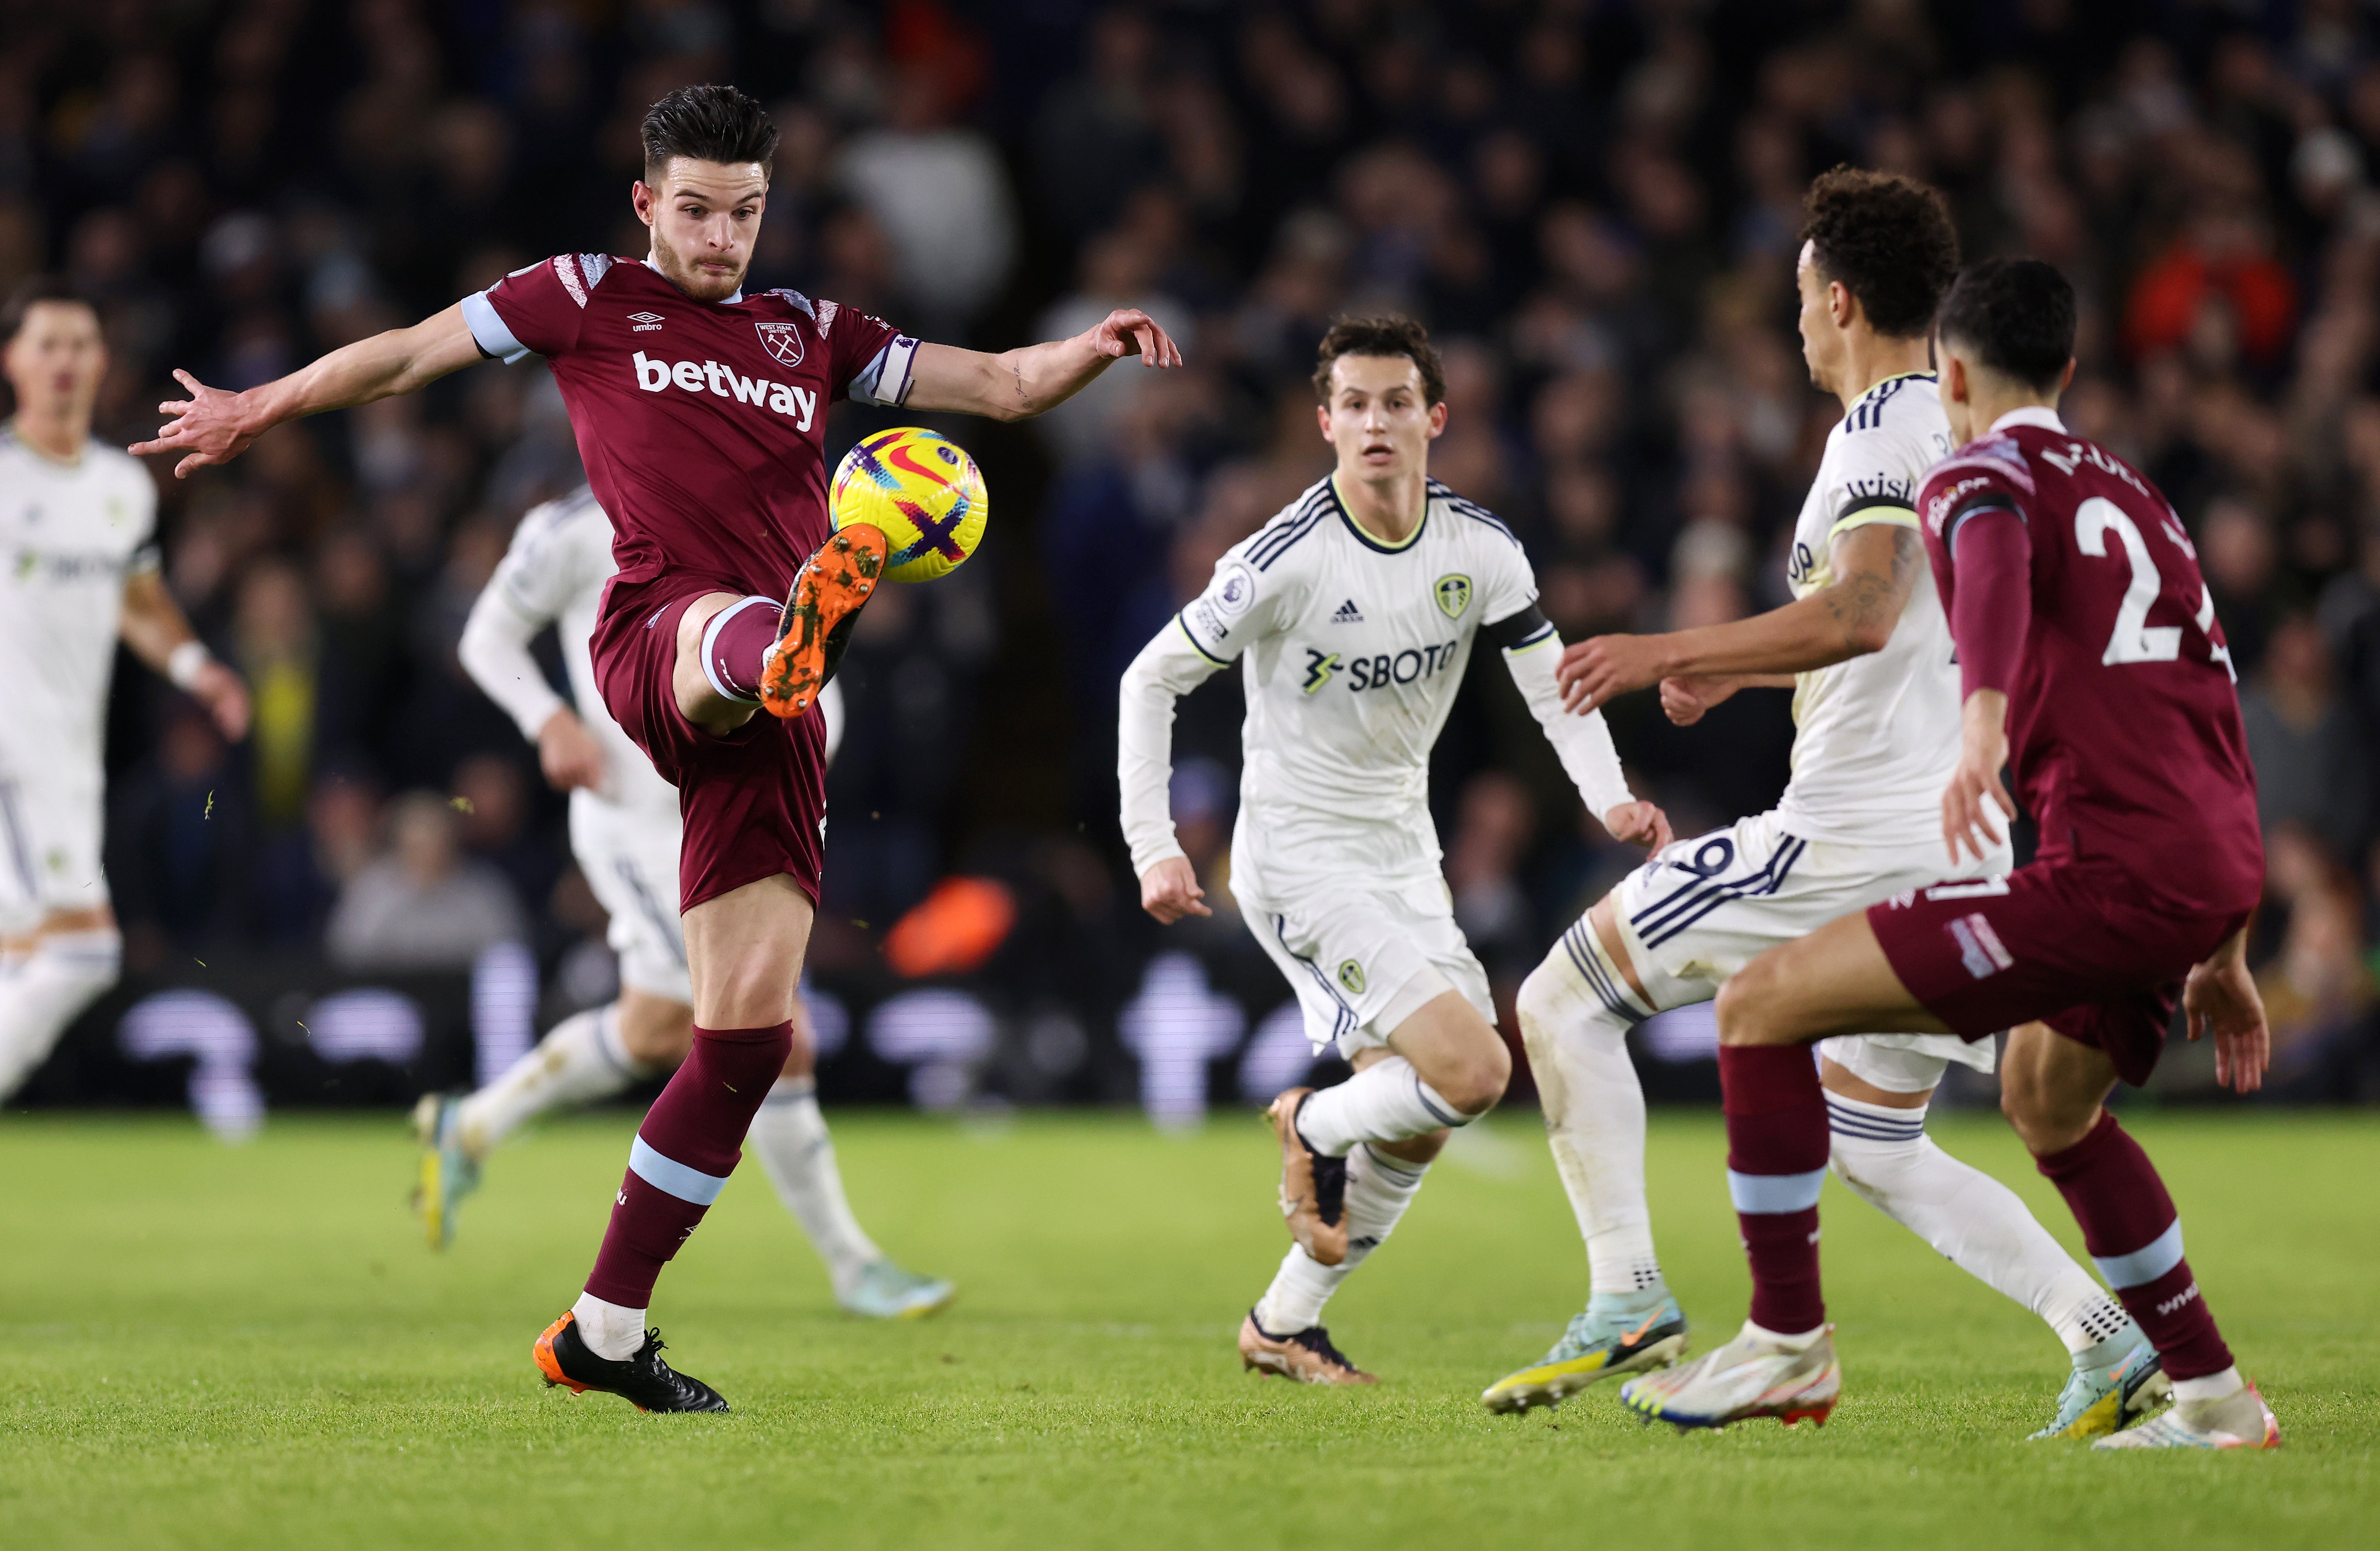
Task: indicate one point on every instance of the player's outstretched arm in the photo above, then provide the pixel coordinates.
(154, 626)
(212, 425)
(1018, 384)
(1876, 568)
(2221, 998)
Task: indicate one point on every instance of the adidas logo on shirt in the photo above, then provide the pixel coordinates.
(1348, 614)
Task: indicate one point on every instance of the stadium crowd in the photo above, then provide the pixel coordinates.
(1593, 203)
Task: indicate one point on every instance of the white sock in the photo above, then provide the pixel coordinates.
(608, 1329)
(581, 1060)
(790, 1136)
(2210, 1387)
(1385, 1102)
(1799, 1341)
(1576, 1033)
(1971, 1219)
(1380, 1188)
(64, 974)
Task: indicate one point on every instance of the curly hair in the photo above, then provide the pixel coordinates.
(2017, 317)
(1380, 336)
(1889, 241)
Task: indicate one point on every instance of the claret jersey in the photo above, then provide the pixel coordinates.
(2124, 729)
(1875, 737)
(702, 425)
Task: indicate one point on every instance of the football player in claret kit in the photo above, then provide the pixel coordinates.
(78, 523)
(700, 414)
(2091, 664)
(625, 830)
(1353, 614)
(1866, 651)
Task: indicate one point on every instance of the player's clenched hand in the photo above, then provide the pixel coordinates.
(2220, 999)
(568, 753)
(1642, 823)
(208, 427)
(1170, 890)
(1130, 332)
(1983, 750)
(1685, 698)
(1602, 667)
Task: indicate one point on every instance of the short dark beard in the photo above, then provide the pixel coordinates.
(665, 257)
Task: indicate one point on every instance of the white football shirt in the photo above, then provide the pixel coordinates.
(1351, 652)
(555, 570)
(71, 534)
(1875, 737)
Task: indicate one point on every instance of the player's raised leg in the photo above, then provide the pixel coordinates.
(2053, 1092)
(1575, 1011)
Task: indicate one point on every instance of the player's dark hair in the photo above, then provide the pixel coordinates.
(1392, 335)
(2017, 315)
(32, 294)
(1887, 239)
(708, 123)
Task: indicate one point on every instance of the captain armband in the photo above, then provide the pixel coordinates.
(1519, 632)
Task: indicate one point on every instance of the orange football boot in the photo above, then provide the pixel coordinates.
(815, 626)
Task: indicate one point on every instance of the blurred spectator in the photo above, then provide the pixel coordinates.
(940, 195)
(421, 905)
(2312, 767)
(1493, 828)
(1594, 208)
(277, 652)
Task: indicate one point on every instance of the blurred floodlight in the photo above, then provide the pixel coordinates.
(1683, 1034)
(369, 1022)
(1176, 1025)
(504, 1008)
(1279, 1057)
(939, 1035)
(220, 1035)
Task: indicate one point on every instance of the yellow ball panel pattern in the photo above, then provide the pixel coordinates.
(922, 489)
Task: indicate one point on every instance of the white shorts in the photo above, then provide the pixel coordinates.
(1699, 910)
(1363, 961)
(51, 824)
(630, 860)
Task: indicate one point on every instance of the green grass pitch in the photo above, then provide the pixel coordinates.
(211, 1347)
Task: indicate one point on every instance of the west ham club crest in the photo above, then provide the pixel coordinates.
(784, 341)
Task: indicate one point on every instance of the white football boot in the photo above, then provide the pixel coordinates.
(2240, 1419)
(1754, 1374)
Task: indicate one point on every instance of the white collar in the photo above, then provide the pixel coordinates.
(2038, 415)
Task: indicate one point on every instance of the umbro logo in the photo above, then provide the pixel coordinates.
(1348, 614)
(644, 323)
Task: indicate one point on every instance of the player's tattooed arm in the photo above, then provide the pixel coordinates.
(1876, 567)
(1018, 384)
(212, 425)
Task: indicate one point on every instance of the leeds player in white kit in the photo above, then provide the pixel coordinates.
(79, 570)
(1875, 704)
(623, 830)
(1354, 613)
